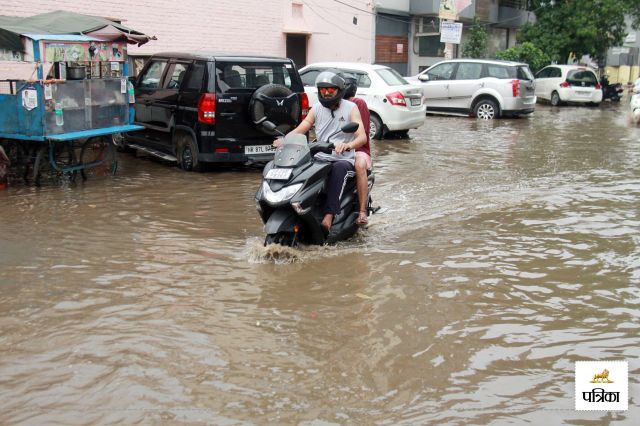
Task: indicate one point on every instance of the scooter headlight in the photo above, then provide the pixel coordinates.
(276, 197)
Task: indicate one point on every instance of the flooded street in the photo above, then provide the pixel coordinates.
(505, 252)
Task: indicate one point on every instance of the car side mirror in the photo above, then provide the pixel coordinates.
(423, 77)
(133, 80)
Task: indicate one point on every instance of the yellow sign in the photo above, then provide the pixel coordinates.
(448, 10)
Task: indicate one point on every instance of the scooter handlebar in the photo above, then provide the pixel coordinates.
(326, 147)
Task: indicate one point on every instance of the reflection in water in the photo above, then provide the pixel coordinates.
(506, 251)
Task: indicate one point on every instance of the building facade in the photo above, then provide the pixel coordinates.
(623, 62)
(418, 21)
(306, 31)
(404, 34)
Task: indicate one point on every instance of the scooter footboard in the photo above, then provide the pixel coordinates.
(281, 220)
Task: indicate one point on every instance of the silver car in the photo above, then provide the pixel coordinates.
(485, 88)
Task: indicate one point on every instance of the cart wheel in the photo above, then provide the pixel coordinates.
(121, 143)
(22, 157)
(63, 155)
(98, 157)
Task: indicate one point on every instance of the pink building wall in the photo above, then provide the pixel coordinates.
(245, 26)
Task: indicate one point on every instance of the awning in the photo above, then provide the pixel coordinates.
(111, 33)
(12, 28)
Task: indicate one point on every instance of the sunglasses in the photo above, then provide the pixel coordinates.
(328, 91)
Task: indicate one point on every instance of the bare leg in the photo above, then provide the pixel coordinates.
(363, 188)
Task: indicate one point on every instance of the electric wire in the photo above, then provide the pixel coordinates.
(341, 27)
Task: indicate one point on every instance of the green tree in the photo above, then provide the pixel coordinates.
(579, 26)
(476, 45)
(525, 52)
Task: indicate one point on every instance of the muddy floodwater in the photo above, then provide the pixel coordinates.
(504, 252)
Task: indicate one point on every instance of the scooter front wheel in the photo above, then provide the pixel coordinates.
(283, 238)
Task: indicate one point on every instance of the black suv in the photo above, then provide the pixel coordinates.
(207, 108)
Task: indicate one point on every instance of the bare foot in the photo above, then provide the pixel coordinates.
(362, 219)
(327, 221)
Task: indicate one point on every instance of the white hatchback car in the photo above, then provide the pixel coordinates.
(395, 105)
(568, 83)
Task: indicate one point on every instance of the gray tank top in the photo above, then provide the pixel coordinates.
(326, 125)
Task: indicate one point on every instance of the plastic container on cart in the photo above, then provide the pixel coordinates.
(58, 114)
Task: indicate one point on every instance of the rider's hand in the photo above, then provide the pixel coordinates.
(277, 143)
(341, 147)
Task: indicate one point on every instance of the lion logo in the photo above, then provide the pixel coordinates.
(601, 377)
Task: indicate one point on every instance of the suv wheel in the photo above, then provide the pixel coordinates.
(275, 103)
(187, 154)
(555, 99)
(486, 109)
(375, 127)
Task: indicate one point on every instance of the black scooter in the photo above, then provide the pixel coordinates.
(293, 190)
(610, 91)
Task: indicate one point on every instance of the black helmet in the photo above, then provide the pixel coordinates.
(333, 85)
(351, 85)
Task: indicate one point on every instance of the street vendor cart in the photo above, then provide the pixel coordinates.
(64, 93)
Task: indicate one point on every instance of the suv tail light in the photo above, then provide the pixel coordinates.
(598, 86)
(207, 108)
(515, 88)
(564, 84)
(304, 106)
(397, 99)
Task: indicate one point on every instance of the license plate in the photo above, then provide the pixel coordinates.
(279, 174)
(582, 93)
(416, 101)
(258, 149)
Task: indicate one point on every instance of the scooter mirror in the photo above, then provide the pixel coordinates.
(268, 125)
(350, 127)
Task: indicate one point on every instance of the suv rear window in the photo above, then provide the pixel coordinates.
(391, 77)
(524, 73)
(193, 81)
(239, 76)
(499, 71)
(582, 77)
(521, 72)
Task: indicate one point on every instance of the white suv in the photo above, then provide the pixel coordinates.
(395, 105)
(485, 88)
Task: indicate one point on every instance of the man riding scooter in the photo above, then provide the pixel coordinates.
(329, 115)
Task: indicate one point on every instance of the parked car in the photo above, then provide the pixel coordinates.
(206, 108)
(568, 83)
(395, 105)
(487, 89)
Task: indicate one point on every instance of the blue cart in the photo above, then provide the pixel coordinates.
(65, 100)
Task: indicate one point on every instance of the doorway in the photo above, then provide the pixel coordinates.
(297, 49)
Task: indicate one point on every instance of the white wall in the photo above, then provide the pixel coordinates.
(335, 37)
(244, 26)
